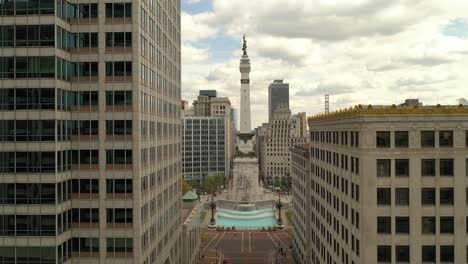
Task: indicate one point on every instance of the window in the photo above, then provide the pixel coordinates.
(401, 167)
(34, 67)
(429, 254)
(428, 225)
(402, 225)
(384, 254)
(85, 245)
(119, 98)
(428, 167)
(84, 127)
(27, 162)
(87, 69)
(401, 139)
(35, 35)
(118, 10)
(27, 225)
(428, 196)
(119, 215)
(446, 254)
(87, 40)
(85, 215)
(119, 68)
(446, 167)
(402, 254)
(31, 193)
(119, 186)
(383, 168)
(120, 245)
(85, 156)
(119, 39)
(446, 196)
(85, 186)
(28, 7)
(384, 196)
(466, 138)
(43, 255)
(119, 156)
(87, 11)
(445, 138)
(384, 225)
(446, 225)
(383, 139)
(427, 139)
(401, 196)
(119, 127)
(27, 130)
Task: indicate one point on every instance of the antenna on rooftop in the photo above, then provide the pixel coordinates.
(327, 103)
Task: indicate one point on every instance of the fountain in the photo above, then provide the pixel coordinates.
(246, 205)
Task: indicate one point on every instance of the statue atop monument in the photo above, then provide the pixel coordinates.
(244, 47)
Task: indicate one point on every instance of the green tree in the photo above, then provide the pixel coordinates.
(186, 186)
(213, 183)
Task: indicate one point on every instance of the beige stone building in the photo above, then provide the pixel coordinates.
(388, 184)
(90, 143)
(283, 132)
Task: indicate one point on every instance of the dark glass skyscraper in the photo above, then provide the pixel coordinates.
(278, 93)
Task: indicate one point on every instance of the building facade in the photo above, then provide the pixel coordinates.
(278, 94)
(283, 132)
(90, 151)
(208, 137)
(205, 147)
(388, 184)
(300, 202)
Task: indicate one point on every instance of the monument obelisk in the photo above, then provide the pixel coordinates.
(245, 135)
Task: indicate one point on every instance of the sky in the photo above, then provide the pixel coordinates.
(358, 51)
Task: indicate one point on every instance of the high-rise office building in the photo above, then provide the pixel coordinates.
(208, 137)
(278, 94)
(90, 151)
(387, 184)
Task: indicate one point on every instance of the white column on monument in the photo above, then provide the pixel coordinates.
(245, 126)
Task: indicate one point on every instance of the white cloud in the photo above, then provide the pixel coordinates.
(360, 52)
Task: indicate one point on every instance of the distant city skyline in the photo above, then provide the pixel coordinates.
(392, 52)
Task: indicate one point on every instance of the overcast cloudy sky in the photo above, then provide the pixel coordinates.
(358, 51)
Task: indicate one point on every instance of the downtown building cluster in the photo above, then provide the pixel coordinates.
(90, 151)
(383, 184)
(275, 138)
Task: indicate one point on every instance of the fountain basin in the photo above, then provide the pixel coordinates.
(254, 219)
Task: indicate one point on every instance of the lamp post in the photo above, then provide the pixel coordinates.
(279, 205)
(213, 207)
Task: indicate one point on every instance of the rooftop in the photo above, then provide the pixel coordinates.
(409, 108)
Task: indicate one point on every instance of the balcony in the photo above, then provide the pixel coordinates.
(85, 225)
(81, 21)
(84, 108)
(85, 167)
(84, 79)
(85, 137)
(118, 20)
(85, 196)
(119, 108)
(119, 166)
(120, 196)
(119, 137)
(120, 225)
(84, 50)
(119, 50)
(119, 78)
